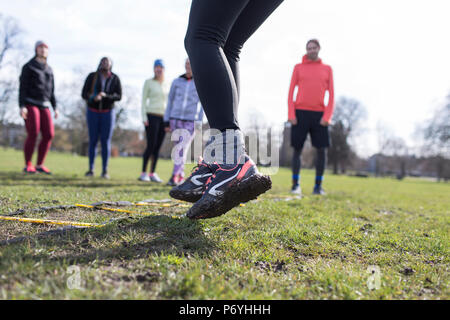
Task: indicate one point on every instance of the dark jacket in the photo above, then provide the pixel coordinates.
(37, 85)
(93, 86)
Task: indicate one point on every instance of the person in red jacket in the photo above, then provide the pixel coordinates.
(308, 112)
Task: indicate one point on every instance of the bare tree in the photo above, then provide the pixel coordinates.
(10, 34)
(436, 134)
(347, 118)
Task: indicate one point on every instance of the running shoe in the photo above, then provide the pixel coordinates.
(180, 179)
(43, 169)
(228, 187)
(155, 178)
(29, 169)
(296, 190)
(318, 191)
(172, 182)
(105, 176)
(144, 177)
(89, 174)
(191, 189)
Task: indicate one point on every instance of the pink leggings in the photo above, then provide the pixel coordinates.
(38, 119)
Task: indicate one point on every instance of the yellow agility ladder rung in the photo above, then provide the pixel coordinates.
(53, 222)
(120, 210)
(113, 210)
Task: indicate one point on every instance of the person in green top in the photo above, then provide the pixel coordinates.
(154, 100)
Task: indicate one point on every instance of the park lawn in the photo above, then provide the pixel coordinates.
(313, 248)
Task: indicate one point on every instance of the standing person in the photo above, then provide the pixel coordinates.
(101, 90)
(183, 110)
(154, 99)
(308, 112)
(36, 96)
(216, 34)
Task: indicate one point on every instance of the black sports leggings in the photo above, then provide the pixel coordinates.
(321, 159)
(216, 34)
(155, 137)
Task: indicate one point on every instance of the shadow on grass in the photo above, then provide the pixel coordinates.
(153, 235)
(20, 179)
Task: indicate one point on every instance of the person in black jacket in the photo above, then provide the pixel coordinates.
(36, 96)
(100, 91)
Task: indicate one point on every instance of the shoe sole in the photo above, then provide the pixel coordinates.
(236, 194)
(185, 196)
(43, 172)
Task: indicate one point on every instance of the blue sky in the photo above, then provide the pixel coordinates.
(392, 56)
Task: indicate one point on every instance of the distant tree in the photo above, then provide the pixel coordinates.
(346, 122)
(126, 110)
(10, 34)
(437, 131)
(436, 135)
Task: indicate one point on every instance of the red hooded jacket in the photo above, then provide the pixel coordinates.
(313, 79)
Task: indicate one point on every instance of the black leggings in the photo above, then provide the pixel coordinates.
(321, 159)
(216, 34)
(155, 137)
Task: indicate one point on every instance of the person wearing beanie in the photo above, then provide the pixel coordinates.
(309, 114)
(36, 96)
(226, 176)
(101, 90)
(154, 99)
(183, 110)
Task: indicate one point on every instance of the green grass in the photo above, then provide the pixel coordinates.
(314, 248)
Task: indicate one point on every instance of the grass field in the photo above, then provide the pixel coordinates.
(314, 248)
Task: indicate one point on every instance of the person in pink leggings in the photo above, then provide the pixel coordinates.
(36, 96)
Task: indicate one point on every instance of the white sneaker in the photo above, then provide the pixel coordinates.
(144, 177)
(297, 190)
(155, 178)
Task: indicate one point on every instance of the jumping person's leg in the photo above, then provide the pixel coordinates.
(215, 36)
(235, 178)
(250, 19)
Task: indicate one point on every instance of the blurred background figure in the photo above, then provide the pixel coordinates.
(308, 113)
(154, 99)
(183, 110)
(100, 91)
(36, 96)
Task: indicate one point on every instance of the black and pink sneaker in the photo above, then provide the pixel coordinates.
(44, 170)
(29, 169)
(228, 187)
(191, 189)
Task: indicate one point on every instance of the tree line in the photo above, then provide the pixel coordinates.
(431, 154)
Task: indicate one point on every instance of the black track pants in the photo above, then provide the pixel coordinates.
(155, 137)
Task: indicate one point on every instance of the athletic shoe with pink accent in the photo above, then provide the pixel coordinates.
(43, 169)
(30, 169)
(191, 189)
(228, 187)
